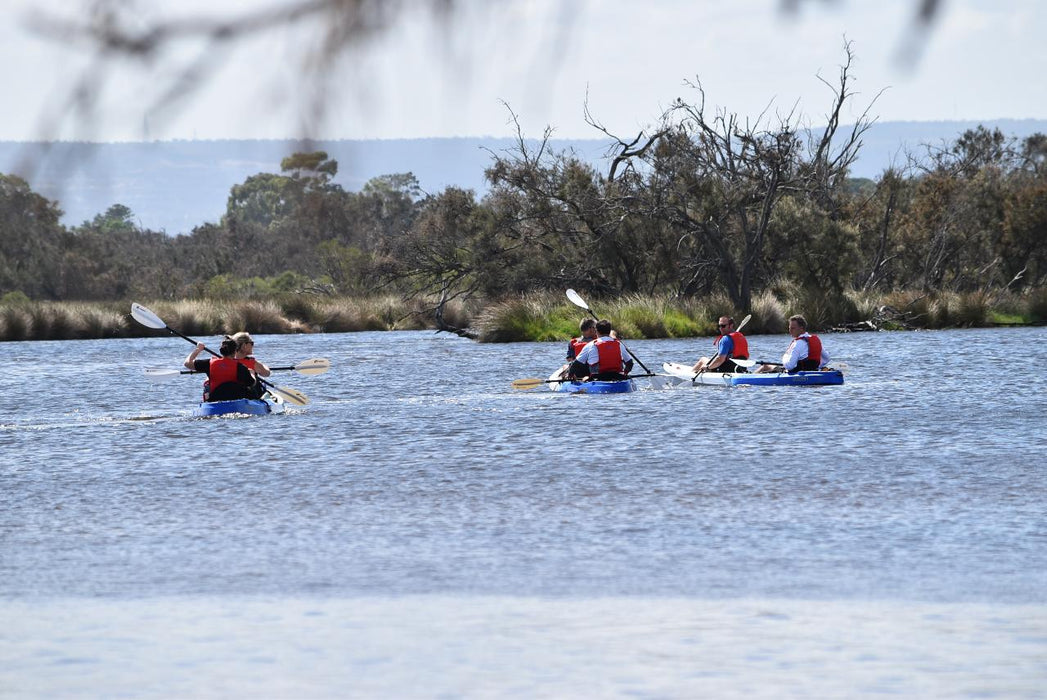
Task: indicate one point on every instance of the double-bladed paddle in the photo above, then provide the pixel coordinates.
(150, 320)
(314, 366)
(577, 300)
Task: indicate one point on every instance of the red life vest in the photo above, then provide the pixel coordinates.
(221, 371)
(813, 361)
(610, 352)
(740, 349)
(577, 344)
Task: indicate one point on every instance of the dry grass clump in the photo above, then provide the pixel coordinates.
(531, 317)
(257, 317)
(100, 322)
(950, 309)
(769, 315)
(61, 321)
(346, 315)
(14, 323)
(193, 317)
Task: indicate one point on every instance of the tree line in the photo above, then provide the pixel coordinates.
(705, 203)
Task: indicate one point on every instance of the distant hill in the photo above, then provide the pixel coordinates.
(174, 186)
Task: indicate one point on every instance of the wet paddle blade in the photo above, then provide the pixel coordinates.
(158, 374)
(577, 300)
(288, 395)
(146, 317)
(531, 383)
(313, 366)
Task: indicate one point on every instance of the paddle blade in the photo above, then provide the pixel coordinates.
(575, 299)
(315, 365)
(531, 383)
(288, 395)
(743, 363)
(159, 374)
(146, 317)
(745, 320)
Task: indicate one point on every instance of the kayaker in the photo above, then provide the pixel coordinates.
(244, 350)
(605, 358)
(729, 344)
(587, 328)
(227, 378)
(805, 352)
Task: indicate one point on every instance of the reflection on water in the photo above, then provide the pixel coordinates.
(905, 506)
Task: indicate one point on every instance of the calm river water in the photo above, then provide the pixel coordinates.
(423, 530)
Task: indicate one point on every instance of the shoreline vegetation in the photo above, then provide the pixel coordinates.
(540, 316)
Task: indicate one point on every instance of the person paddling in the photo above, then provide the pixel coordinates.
(244, 348)
(805, 352)
(587, 328)
(603, 359)
(729, 344)
(228, 379)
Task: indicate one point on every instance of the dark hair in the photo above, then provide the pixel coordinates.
(603, 327)
(228, 347)
(800, 320)
(586, 324)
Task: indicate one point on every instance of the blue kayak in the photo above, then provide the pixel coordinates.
(251, 407)
(620, 386)
(830, 377)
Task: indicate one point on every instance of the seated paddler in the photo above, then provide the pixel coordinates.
(587, 330)
(606, 359)
(730, 345)
(228, 378)
(804, 354)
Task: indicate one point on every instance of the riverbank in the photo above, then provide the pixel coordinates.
(544, 316)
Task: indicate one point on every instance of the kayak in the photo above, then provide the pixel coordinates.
(829, 377)
(618, 386)
(251, 407)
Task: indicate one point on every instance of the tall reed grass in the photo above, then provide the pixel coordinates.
(540, 316)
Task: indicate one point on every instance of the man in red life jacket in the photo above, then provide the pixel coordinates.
(587, 328)
(605, 358)
(729, 344)
(805, 352)
(227, 378)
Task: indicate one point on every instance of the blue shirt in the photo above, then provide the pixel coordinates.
(725, 347)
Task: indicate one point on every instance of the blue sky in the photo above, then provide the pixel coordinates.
(981, 60)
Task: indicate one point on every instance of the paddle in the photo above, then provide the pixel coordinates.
(150, 320)
(578, 301)
(534, 382)
(750, 363)
(314, 366)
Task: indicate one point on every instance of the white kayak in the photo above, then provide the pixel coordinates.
(783, 378)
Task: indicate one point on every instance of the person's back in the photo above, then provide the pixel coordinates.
(228, 378)
(605, 358)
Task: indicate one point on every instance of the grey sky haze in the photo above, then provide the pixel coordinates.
(981, 60)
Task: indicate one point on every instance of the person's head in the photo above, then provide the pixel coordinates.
(587, 327)
(244, 342)
(603, 327)
(797, 325)
(726, 325)
(228, 347)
